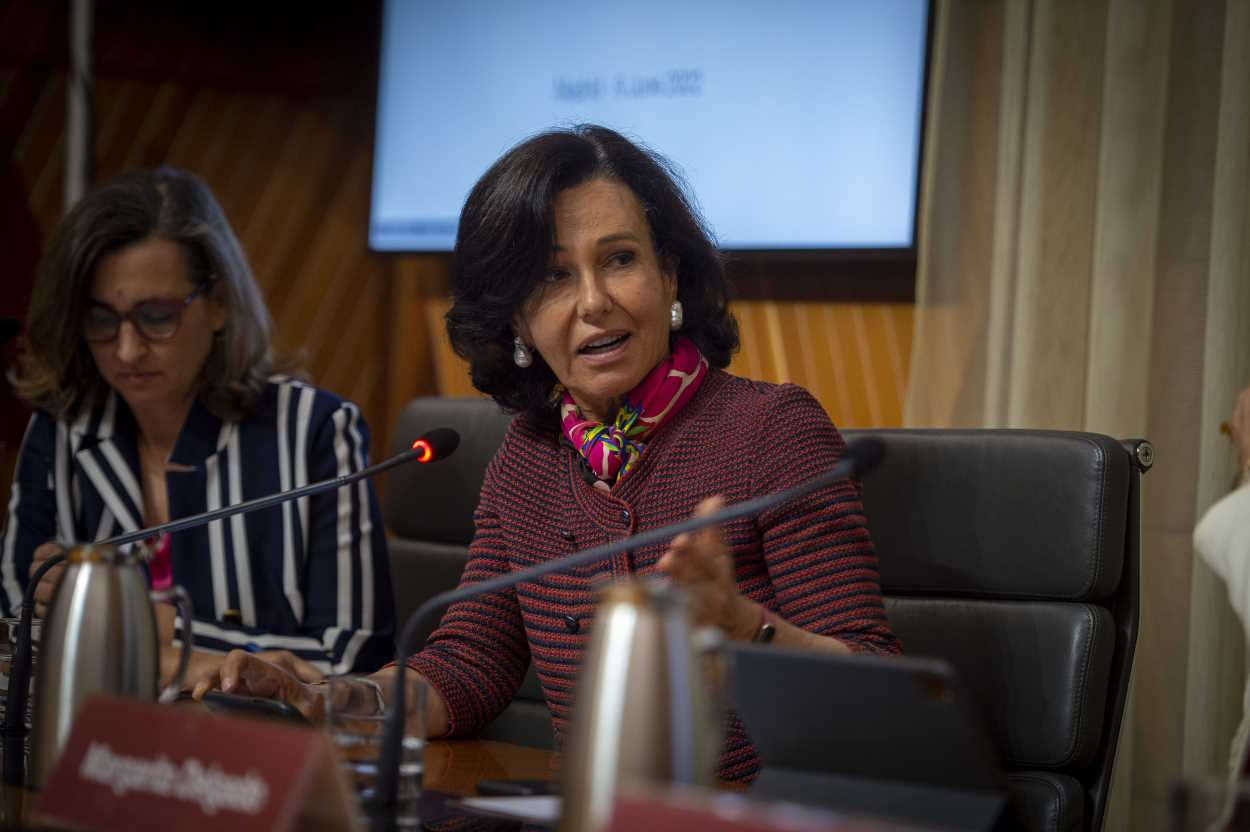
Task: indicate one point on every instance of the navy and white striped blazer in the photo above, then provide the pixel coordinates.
(310, 576)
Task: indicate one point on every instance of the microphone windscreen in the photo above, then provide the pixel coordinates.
(441, 442)
(864, 455)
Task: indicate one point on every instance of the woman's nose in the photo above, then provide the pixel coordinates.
(130, 344)
(592, 295)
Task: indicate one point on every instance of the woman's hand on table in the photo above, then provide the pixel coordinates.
(303, 670)
(247, 674)
(204, 667)
(700, 563)
(250, 674)
(199, 665)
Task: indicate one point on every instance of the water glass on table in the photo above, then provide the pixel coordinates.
(356, 723)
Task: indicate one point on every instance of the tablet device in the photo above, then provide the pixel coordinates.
(890, 736)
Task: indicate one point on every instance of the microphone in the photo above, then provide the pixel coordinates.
(858, 458)
(434, 445)
(431, 447)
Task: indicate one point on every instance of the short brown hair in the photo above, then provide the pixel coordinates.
(57, 373)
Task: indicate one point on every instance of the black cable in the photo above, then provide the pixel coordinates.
(19, 685)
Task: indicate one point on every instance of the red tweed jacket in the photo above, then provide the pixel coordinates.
(811, 562)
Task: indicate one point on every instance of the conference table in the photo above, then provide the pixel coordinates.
(456, 766)
(453, 769)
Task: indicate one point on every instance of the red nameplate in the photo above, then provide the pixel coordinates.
(135, 766)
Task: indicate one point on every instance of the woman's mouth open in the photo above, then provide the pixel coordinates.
(605, 345)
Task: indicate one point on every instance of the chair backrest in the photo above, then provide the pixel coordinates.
(429, 512)
(1013, 554)
(428, 509)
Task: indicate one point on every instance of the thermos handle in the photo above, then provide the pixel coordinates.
(183, 602)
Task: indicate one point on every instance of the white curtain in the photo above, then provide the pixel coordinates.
(1082, 267)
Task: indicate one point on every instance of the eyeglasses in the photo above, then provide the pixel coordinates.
(155, 320)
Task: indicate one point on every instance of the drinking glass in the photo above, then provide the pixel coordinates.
(356, 727)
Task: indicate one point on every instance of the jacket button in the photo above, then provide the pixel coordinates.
(570, 623)
(625, 516)
(567, 535)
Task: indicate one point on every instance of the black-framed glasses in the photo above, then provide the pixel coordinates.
(157, 319)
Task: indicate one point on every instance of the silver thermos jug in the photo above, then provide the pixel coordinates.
(100, 637)
(646, 710)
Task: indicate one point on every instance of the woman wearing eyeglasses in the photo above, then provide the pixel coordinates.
(153, 378)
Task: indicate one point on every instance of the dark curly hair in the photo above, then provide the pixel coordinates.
(507, 234)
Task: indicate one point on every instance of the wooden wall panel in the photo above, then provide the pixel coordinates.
(852, 356)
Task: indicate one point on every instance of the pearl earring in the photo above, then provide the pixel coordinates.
(521, 355)
(675, 316)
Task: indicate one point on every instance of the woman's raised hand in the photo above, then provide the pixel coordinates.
(699, 562)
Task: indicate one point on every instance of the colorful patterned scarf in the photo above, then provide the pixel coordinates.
(612, 450)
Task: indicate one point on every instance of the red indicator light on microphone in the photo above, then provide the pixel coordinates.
(427, 453)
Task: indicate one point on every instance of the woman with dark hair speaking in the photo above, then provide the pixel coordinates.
(588, 296)
(149, 364)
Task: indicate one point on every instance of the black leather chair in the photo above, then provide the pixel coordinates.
(1014, 555)
(428, 510)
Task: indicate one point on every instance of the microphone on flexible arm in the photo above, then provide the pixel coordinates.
(858, 458)
(430, 447)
